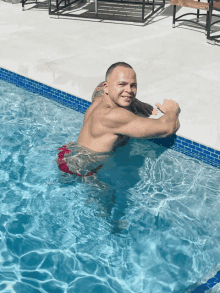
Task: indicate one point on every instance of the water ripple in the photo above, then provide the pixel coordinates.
(150, 226)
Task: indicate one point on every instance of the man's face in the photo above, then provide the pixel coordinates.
(121, 86)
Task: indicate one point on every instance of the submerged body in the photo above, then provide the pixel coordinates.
(94, 145)
(79, 160)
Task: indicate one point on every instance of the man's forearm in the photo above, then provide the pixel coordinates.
(168, 125)
(171, 119)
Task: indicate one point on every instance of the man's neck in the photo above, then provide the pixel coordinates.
(109, 102)
(113, 105)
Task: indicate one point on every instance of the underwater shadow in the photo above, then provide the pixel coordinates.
(122, 172)
(166, 142)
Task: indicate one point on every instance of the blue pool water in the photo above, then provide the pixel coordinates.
(149, 222)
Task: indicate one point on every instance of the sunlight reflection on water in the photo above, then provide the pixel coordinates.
(150, 224)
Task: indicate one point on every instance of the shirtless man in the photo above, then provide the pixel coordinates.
(109, 120)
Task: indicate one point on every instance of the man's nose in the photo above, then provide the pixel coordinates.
(128, 88)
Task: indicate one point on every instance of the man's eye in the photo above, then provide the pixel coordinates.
(134, 85)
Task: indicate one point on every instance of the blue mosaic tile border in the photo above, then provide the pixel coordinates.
(191, 149)
(198, 151)
(178, 143)
(61, 97)
(208, 285)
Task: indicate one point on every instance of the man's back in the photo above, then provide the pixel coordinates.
(95, 134)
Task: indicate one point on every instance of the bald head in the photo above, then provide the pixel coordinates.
(113, 66)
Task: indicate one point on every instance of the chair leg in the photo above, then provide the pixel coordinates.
(174, 15)
(198, 13)
(209, 20)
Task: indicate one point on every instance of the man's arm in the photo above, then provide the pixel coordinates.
(125, 122)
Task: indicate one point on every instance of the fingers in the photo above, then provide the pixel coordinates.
(168, 105)
(161, 108)
(70, 143)
(154, 112)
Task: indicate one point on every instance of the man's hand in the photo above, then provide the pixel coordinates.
(168, 105)
(143, 108)
(70, 143)
(121, 141)
(154, 112)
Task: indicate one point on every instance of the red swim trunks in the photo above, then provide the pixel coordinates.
(62, 165)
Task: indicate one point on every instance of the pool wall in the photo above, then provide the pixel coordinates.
(193, 149)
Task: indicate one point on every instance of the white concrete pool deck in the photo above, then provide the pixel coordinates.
(73, 56)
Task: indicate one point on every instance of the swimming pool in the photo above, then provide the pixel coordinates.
(148, 223)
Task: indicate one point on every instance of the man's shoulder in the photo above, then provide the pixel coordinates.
(118, 112)
(117, 116)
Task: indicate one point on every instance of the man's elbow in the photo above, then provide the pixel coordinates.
(170, 132)
(171, 129)
(167, 132)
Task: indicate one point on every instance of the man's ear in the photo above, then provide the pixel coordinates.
(105, 87)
